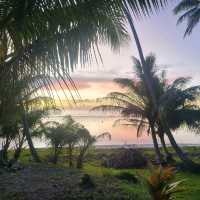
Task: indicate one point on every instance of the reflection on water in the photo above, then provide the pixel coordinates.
(98, 122)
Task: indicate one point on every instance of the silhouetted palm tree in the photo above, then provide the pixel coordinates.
(173, 100)
(135, 104)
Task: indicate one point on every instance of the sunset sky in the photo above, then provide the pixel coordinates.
(158, 34)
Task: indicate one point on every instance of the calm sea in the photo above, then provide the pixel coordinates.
(98, 122)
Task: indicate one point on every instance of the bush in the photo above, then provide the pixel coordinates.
(126, 159)
(127, 176)
(86, 182)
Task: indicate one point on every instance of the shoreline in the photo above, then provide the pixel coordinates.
(140, 146)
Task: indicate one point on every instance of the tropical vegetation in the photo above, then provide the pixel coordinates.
(41, 43)
(176, 102)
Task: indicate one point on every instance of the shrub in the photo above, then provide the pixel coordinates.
(86, 182)
(126, 158)
(127, 176)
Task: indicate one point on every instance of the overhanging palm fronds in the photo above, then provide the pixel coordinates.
(189, 11)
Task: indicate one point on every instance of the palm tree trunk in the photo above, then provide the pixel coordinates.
(148, 82)
(29, 139)
(4, 152)
(168, 155)
(18, 150)
(189, 164)
(148, 85)
(156, 147)
(5, 149)
(79, 164)
(70, 156)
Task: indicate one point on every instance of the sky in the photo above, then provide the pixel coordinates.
(158, 34)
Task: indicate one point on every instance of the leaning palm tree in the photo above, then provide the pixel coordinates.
(27, 104)
(189, 11)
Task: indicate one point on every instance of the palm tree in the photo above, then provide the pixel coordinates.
(34, 119)
(71, 128)
(135, 104)
(173, 100)
(52, 37)
(85, 141)
(149, 86)
(57, 139)
(189, 12)
(179, 105)
(24, 101)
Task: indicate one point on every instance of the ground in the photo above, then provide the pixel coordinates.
(57, 182)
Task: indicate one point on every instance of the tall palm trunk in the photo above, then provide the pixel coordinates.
(147, 80)
(29, 139)
(148, 84)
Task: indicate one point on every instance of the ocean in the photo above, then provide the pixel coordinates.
(99, 122)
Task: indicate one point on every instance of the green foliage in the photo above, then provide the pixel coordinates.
(127, 177)
(87, 182)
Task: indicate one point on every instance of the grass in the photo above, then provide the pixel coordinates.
(108, 177)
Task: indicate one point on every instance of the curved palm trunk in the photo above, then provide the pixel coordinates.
(29, 139)
(187, 162)
(149, 87)
(162, 140)
(161, 134)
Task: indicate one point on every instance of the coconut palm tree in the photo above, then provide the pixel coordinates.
(85, 141)
(188, 10)
(135, 104)
(173, 100)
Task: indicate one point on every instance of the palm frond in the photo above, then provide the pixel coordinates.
(189, 11)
